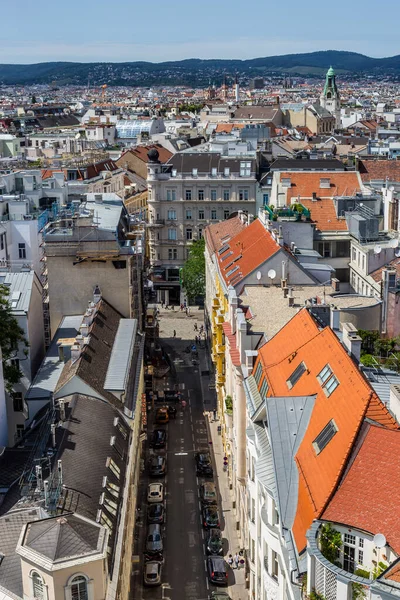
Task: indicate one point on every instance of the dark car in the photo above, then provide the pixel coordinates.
(203, 464)
(155, 513)
(154, 543)
(208, 493)
(159, 438)
(167, 396)
(210, 517)
(157, 466)
(214, 542)
(217, 570)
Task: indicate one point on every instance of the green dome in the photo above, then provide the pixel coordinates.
(331, 72)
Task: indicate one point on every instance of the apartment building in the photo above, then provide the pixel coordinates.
(191, 191)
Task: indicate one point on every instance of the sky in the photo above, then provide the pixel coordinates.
(158, 30)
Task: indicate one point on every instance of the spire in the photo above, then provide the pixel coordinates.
(330, 82)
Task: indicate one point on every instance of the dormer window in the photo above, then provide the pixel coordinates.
(325, 183)
(226, 172)
(194, 172)
(286, 182)
(173, 173)
(214, 172)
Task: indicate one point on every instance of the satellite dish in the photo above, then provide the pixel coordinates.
(397, 253)
(272, 274)
(259, 275)
(377, 250)
(379, 540)
(391, 188)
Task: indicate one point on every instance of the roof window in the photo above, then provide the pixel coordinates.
(328, 380)
(194, 172)
(325, 436)
(264, 388)
(114, 468)
(258, 373)
(295, 376)
(224, 248)
(286, 182)
(214, 172)
(231, 271)
(226, 172)
(227, 255)
(324, 183)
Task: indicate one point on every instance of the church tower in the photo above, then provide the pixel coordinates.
(330, 98)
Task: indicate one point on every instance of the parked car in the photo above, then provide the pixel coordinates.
(155, 513)
(210, 517)
(214, 543)
(219, 596)
(217, 570)
(154, 543)
(155, 492)
(203, 464)
(158, 438)
(152, 573)
(167, 396)
(157, 466)
(208, 493)
(162, 415)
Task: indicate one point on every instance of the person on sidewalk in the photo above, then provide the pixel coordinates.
(236, 560)
(215, 414)
(230, 561)
(174, 333)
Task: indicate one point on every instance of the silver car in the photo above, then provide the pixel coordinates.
(152, 573)
(154, 544)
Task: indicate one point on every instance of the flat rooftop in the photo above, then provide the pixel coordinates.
(271, 311)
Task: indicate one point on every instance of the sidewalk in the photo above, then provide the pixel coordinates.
(238, 591)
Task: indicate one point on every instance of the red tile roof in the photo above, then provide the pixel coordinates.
(375, 468)
(228, 127)
(304, 183)
(323, 214)
(393, 573)
(231, 337)
(379, 170)
(142, 151)
(249, 249)
(395, 264)
(214, 234)
(302, 341)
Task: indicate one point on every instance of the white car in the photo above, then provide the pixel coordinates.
(155, 492)
(152, 573)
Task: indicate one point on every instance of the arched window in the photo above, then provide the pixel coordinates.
(37, 586)
(79, 588)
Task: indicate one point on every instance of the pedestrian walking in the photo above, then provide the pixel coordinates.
(230, 560)
(181, 307)
(236, 560)
(174, 333)
(195, 326)
(215, 414)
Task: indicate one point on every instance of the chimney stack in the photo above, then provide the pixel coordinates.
(75, 352)
(352, 341)
(290, 297)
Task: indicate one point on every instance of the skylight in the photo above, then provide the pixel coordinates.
(328, 380)
(224, 248)
(227, 255)
(295, 376)
(325, 436)
(231, 271)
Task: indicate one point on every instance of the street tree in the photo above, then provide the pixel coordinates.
(194, 271)
(11, 337)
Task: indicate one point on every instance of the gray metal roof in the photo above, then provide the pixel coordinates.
(10, 566)
(253, 398)
(121, 356)
(288, 419)
(265, 465)
(51, 368)
(381, 380)
(20, 289)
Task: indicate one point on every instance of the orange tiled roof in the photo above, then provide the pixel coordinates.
(394, 572)
(231, 337)
(214, 234)
(302, 340)
(376, 467)
(304, 183)
(46, 174)
(228, 127)
(323, 214)
(249, 249)
(379, 170)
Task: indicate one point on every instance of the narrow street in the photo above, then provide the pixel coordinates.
(184, 571)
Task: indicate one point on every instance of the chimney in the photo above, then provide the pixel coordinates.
(284, 274)
(75, 352)
(290, 297)
(352, 341)
(335, 284)
(285, 291)
(79, 340)
(96, 294)
(335, 319)
(84, 330)
(62, 410)
(53, 434)
(280, 236)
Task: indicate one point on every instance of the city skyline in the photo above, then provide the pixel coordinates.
(156, 32)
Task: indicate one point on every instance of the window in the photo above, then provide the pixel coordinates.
(226, 213)
(258, 373)
(200, 234)
(328, 380)
(22, 251)
(200, 194)
(353, 254)
(214, 172)
(325, 436)
(213, 214)
(264, 389)
(171, 215)
(171, 195)
(173, 173)
(79, 588)
(20, 430)
(37, 586)
(243, 194)
(245, 169)
(213, 195)
(360, 557)
(188, 194)
(194, 172)
(172, 254)
(226, 172)
(189, 233)
(227, 195)
(361, 542)
(324, 249)
(2, 241)
(275, 516)
(275, 565)
(114, 468)
(349, 539)
(201, 213)
(265, 199)
(295, 376)
(188, 214)
(172, 234)
(18, 403)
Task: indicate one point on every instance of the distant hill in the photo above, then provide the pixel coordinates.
(195, 71)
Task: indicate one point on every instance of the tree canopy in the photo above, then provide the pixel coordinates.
(194, 271)
(11, 336)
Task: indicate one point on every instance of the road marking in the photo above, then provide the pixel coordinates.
(199, 505)
(207, 584)
(197, 481)
(201, 520)
(202, 534)
(181, 453)
(205, 565)
(204, 548)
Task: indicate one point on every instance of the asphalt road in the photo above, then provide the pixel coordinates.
(184, 571)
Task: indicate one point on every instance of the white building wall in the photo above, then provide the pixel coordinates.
(3, 408)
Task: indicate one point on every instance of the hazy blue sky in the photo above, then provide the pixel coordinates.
(157, 30)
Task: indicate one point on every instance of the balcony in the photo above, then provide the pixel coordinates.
(156, 223)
